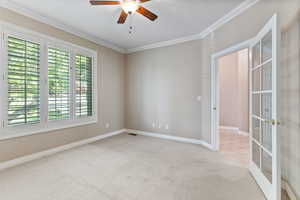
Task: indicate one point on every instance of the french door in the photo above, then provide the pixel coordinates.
(264, 140)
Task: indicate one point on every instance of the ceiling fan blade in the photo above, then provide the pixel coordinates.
(147, 13)
(123, 17)
(143, 1)
(95, 2)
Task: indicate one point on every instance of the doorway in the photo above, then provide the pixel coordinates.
(234, 107)
(263, 97)
(215, 83)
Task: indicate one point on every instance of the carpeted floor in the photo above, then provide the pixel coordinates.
(130, 168)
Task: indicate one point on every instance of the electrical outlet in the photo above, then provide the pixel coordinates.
(107, 125)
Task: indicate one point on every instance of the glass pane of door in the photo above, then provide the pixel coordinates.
(267, 47)
(267, 136)
(266, 165)
(266, 106)
(256, 80)
(256, 105)
(256, 55)
(256, 153)
(267, 76)
(256, 129)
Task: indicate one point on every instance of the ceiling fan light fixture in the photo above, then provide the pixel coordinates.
(130, 6)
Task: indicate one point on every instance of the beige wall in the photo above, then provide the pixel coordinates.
(162, 84)
(290, 104)
(110, 95)
(233, 86)
(243, 64)
(229, 90)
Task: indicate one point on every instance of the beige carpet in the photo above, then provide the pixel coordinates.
(130, 168)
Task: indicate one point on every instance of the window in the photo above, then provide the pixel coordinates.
(58, 84)
(83, 86)
(48, 84)
(23, 82)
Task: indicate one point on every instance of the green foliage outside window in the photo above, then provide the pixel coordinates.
(23, 82)
(24, 102)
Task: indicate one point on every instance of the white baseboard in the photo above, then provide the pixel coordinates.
(289, 190)
(169, 137)
(35, 156)
(229, 128)
(243, 133)
(234, 129)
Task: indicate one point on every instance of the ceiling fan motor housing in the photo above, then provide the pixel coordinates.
(128, 8)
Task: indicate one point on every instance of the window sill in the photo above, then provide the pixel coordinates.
(24, 131)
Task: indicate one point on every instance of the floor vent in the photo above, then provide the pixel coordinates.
(132, 134)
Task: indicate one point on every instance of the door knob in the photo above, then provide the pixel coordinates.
(273, 122)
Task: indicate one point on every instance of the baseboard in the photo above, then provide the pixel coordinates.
(169, 137)
(290, 192)
(229, 128)
(35, 156)
(243, 133)
(234, 129)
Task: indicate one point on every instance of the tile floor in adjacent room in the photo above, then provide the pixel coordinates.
(235, 147)
(130, 168)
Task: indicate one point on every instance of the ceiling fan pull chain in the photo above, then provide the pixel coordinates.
(130, 23)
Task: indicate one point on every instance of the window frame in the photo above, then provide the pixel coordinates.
(45, 125)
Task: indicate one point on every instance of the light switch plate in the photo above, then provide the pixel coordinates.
(199, 98)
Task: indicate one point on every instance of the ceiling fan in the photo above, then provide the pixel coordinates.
(128, 7)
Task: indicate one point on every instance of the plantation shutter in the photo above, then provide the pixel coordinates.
(59, 84)
(23, 82)
(84, 82)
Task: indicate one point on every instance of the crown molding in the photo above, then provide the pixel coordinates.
(225, 19)
(41, 18)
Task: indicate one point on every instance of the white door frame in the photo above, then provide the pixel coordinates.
(215, 110)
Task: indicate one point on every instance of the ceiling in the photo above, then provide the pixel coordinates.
(177, 18)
